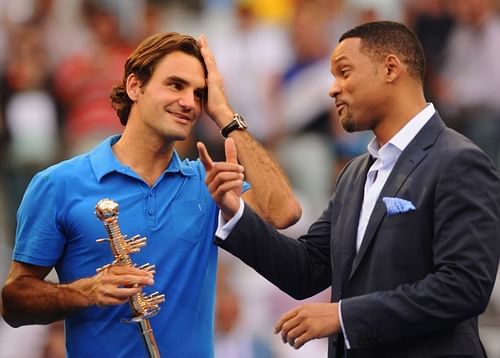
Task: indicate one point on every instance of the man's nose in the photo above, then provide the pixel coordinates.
(187, 100)
(334, 89)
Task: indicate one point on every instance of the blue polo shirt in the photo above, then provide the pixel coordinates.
(57, 227)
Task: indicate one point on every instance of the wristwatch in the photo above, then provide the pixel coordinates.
(238, 122)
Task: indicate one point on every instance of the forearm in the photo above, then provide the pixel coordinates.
(273, 198)
(29, 300)
(283, 257)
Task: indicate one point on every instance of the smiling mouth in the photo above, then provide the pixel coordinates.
(340, 107)
(182, 117)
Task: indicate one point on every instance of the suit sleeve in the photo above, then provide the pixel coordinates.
(300, 267)
(466, 249)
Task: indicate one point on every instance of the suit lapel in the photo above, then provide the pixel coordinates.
(349, 233)
(409, 159)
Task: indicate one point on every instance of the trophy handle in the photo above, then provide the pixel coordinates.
(143, 306)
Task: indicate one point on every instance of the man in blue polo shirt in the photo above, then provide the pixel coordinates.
(168, 80)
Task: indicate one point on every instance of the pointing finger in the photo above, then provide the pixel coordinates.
(230, 150)
(205, 158)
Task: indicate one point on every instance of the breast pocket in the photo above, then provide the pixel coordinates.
(405, 242)
(404, 219)
(190, 220)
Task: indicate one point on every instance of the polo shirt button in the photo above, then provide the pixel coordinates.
(150, 211)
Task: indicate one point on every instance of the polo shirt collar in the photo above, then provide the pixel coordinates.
(103, 161)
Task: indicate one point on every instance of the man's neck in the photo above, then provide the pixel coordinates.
(148, 159)
(399, 116)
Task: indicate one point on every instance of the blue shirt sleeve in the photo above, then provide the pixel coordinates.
(39, 240)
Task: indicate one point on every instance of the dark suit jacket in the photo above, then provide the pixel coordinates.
(420, 278)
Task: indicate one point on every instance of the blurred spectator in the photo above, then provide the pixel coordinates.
(379, 9)
(231, 339)
(84, 80)
(22, 342)
(29, 113)
(304, 107)
(471, 75)
(272, 11)
(432, 23)
(57, 22)
(55, 342)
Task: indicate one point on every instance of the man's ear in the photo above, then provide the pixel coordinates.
(133, 87)
(393, 68)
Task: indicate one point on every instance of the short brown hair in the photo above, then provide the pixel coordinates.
(142, 62)
(381, 38)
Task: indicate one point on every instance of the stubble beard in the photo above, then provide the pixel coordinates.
(348, 123)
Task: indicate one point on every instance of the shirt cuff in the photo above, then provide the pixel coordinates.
(224, 228)
(346, 340)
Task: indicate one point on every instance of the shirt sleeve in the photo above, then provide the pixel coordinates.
(346, 339)
(224, 228)
(39, 240)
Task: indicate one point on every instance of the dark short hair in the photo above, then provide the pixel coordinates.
(381, 38)
(142, 62)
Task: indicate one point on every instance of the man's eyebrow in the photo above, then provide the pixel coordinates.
(175, 78)
(338, 61)
(340, 58)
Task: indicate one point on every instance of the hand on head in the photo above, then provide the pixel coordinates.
(224, 179)
(216, 104)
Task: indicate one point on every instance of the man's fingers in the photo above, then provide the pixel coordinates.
(202, 39)
(283, 319)
(208, 57)
(230, 149)
(205, 158)
(225, 177)
(297, 335)
(300, 341)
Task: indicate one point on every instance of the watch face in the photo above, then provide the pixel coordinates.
(241, 121)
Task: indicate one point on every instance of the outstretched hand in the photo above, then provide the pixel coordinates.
(307, 322)
(224, 179)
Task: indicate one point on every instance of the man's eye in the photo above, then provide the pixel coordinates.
(201, 95)
(175, 85)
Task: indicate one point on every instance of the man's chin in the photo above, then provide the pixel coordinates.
(348, 125)
(175, 137)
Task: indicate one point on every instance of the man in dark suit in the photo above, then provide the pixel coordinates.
(410, 241)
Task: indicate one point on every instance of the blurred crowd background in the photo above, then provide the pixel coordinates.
(60, 58)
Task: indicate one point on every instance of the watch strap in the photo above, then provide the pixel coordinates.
(237, 123)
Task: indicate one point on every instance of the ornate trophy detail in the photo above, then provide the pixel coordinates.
(143, 306)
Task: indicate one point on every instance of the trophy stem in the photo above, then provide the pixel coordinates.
(149, 338)
(143, 306)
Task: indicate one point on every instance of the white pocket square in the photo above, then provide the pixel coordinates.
(397, 205)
